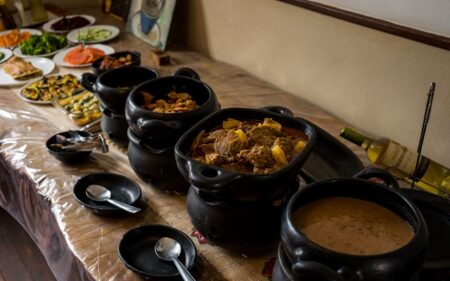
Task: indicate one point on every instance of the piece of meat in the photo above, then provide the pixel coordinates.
(214, 159)
(287, 144)
(263, 135)
(260, 156)
(207, 148)
(228, 145)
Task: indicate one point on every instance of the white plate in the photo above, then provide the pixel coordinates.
(31, 31)
(7, 52)
(72, 36)
(19, 53)
(44, 64)
(48, 25)
(59, 57)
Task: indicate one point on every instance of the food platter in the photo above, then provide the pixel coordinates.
(47, 27)
(65, 90)
(7, 53)
(93, 34)
(44, 64)
(59, 58)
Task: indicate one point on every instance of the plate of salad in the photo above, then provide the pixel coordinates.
(5, 54)
(44, 45)
(93, 34)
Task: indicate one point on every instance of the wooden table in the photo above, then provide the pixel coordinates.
(78, 245)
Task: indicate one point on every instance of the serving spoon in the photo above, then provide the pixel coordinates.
(100, 193)
(168, 249)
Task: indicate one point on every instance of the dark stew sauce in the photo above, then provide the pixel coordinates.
(248, 146)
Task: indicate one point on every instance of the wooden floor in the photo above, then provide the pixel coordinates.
(20, 259)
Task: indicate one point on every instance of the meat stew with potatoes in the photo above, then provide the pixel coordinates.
(248, 146)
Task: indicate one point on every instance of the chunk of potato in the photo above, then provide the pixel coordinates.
(299, 146)
(242, 136)
(268, 122)
(230, 123)
(279, 155)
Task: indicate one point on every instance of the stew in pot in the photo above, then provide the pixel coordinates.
(249, 146)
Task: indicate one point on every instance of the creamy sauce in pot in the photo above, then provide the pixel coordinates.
(352, 226)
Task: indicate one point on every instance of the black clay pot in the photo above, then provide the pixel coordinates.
(230, 185)
(154, 162)
(246, 228)
(147, 124)
(135, 61)
(113, 87)
(114, 125)
(309, 261)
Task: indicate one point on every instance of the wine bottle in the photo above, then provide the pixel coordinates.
(401, 161)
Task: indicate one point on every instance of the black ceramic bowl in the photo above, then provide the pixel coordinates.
(136, 250)
(122, 189)
(236, 185)
(169, 126)
(310, 261)
(135, 61)
(67, 156)
(113, 87)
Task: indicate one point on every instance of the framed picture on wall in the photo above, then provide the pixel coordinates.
(150, 21)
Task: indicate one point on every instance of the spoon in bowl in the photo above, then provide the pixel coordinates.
(100, 194)
(168, 249)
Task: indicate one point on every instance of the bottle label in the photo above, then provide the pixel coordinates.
(399, 157)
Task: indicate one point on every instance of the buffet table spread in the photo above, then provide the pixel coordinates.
(36, 188)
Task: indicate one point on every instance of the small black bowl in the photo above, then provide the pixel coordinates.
(67, 156)
(122, 189)
(135, 61)
(136, 250)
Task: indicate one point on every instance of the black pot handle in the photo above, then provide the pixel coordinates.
(279, 109)
(208, 178)
(88, 81)
(146, 126)
(381, 174)
(187, 72)
(111, 114)
(311, 270)
(153, 149)
(136, 53)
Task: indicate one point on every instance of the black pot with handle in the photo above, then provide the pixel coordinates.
(113, 87)
(114, 125)
(307, 260)
(147, 124)
(240, 186)
(154, 162)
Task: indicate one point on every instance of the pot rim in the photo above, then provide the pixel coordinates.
(200, 125)
(421, 226)
(161, 116)
(118, 90)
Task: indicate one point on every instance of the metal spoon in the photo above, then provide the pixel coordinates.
(168, 249)
(100, 193)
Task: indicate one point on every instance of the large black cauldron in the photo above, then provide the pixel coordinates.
(308, 261)
(226, 184)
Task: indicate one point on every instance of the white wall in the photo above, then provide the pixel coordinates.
(372, 80)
